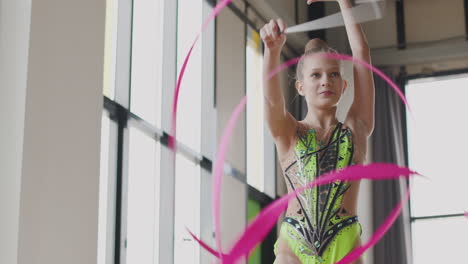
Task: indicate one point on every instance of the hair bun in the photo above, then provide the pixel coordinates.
(315, 44)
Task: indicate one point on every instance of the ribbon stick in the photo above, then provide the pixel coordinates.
(362, 13)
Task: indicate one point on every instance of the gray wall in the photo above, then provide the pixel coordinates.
(50, 178)
(14, 43)
(230, 88)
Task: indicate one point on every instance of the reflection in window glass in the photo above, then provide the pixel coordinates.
(253, 209)
(189, 23)
(255, 115)
(110, 48)
(147, 60)
(441, 240)
(436, 145)
(187, 211)
(143, 199)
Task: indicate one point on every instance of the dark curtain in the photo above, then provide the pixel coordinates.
(389, 145)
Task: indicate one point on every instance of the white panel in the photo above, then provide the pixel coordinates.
(110, 48)
(255, 106)
(438, 151)
(441, 240)
(187, 211)
(230, 83)
(189, 104)
(143, 199)
(147, 60)
(106, 229)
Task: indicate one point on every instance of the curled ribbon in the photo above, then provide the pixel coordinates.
(261, 225)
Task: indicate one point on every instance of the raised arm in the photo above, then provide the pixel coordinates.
(279, 120)
(361, 112)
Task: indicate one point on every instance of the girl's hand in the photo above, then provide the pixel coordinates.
(273, 35)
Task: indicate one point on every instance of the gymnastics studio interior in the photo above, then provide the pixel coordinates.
(90, 170)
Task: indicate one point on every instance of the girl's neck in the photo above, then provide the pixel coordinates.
(321, 118)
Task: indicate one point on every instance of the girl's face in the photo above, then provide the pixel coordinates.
(322, 84)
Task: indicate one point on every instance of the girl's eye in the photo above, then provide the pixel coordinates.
(335, 74)
(315, 75)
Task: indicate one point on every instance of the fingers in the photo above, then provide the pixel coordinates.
(270, 33)
(262, 33)
(267, 31)
(273, 27)
(281, 25)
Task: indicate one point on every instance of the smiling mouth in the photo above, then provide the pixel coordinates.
(327, 93)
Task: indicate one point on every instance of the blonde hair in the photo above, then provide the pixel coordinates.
(315, 45)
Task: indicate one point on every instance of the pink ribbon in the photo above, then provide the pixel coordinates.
(261, 225)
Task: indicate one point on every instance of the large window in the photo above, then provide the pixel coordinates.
(437, 149)
(145, 203)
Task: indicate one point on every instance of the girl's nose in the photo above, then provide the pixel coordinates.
(326, 81)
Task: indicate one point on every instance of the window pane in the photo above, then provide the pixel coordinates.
(436, 145)
(255, 115)
(143, 199)
(147, 60)
(189, 107)
(441, 240)
(187, 211)
(110, 48)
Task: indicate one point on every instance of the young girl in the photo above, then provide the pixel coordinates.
(321, 225)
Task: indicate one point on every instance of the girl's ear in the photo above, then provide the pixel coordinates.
(345, 86)
(299, 87)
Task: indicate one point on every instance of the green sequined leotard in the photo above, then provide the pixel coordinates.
(318, 233)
